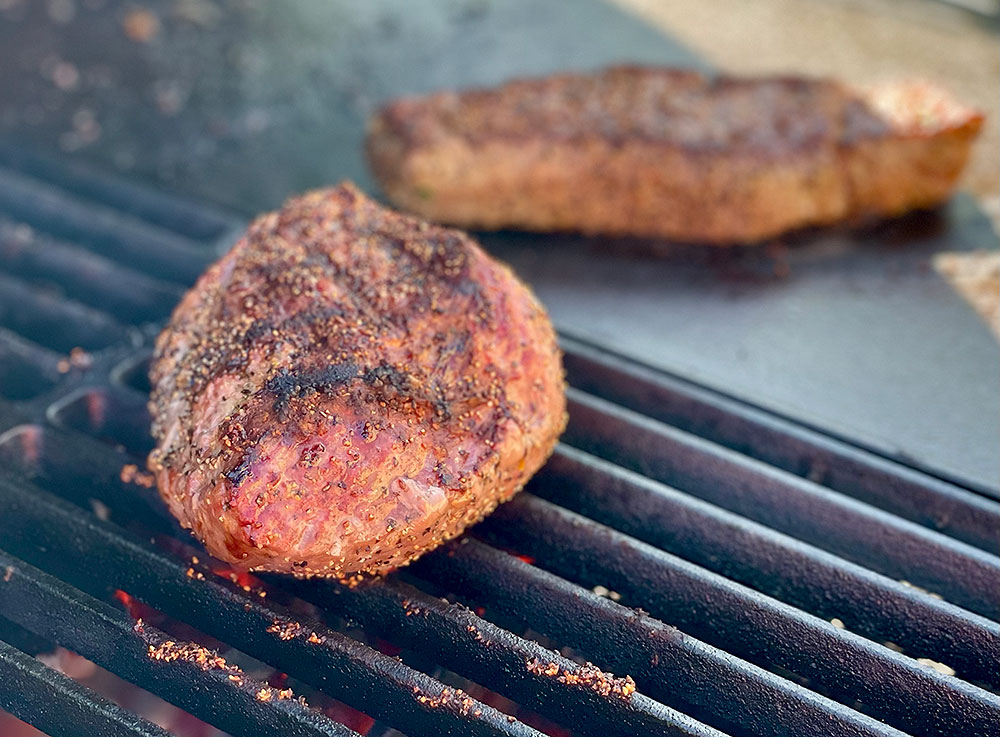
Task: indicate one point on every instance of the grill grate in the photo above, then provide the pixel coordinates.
(731, 537)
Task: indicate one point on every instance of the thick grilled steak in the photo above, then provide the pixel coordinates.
(347, 388)
(669, 153)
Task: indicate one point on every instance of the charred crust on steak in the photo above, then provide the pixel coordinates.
(347, 388)
(238, 473)
(288, 383)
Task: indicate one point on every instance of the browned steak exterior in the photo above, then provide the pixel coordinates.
(669, 153)
(347, 388)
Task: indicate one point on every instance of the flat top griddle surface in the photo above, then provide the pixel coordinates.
(860, 337)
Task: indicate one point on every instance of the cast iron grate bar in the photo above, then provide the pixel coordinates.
(149, 248)
(423, 621)
(964, 575)
(773, 563)
(84, 275)
(742, 621)
(783, 443)
(115, 414)
(133, 372)
(670, 665)
(211, 690)
(53, 321)
(190, 220)
(60, 706)
(658, 651)
(26, 369)
(500, 660)
(80, 468)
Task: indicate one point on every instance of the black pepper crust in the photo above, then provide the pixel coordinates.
(342, 360)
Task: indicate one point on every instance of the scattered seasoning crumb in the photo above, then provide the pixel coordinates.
(920, 589)
(131, 474)
(100, 509)
(313, 638)
(8, 573)
(946, 670)
(169, 651)
(192, 573)
(474, 631)
(141, 25)
(285, 630)
(352, 581)
(79, 358)
(194, 560)
(588, 676)
(607, 593)
(454, 697)
(838, 623)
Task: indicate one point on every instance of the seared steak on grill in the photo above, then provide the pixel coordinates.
(347, 388)
(670, 153)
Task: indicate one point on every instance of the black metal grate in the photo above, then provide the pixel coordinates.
(700, 545)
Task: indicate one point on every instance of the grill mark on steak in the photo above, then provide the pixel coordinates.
(388, 375)
(285, 384)
(425, 263)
